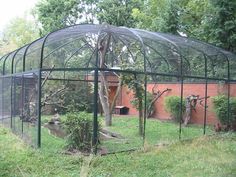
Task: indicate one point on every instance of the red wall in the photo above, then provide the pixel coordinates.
(188, 89)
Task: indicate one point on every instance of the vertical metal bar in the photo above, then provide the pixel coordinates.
(181, 107)
(22, 102)
(228, 101)
(206, 93)
(39, 108)
(11, 100)
(145, 96)
(13, 83)
(145, 108)
(95, 110)
(14, 101)
(181, 95)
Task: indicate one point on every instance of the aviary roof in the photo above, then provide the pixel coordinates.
(134, 49)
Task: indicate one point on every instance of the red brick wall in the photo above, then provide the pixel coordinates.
(188, 89)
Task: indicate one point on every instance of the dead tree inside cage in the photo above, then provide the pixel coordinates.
(190, 104)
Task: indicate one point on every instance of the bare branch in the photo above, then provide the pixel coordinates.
(158, 95)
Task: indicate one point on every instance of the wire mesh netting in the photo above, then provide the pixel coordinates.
(127, 74)
(19, 104)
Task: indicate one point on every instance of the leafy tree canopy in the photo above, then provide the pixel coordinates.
(17, 33)
(118, 12)
(212, 21)
(57, 14)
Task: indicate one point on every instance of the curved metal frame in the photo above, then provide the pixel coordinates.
(169, 45)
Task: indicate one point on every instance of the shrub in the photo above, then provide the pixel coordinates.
(220, 106)
(172, 105)
(79, 127)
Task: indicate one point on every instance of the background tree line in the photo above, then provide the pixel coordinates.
(212, 21)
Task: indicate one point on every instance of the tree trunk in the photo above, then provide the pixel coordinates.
(104, 99)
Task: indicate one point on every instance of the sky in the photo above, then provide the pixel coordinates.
(10, 9)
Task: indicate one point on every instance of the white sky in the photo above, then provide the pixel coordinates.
(14, 8)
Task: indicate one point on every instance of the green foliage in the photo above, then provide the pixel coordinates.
(78, 98)
(158, 15)
(135, 104)
(193, 18)
(150, 16)
(135, 83)
(220, 103)
(79, 127)
(117, 12)
(172, 105)
(222, 26)
(57, 14)
(18, 32)
(212, 21)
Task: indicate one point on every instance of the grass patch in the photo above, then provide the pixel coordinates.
(157, 132)
(18, 159)
(206, 156)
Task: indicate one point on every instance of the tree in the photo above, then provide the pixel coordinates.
(57, 14)
(222, 26)
(17, 33)
(193, 17)
(117, 12)
(159, 15)
(136, 84)
(104, 47)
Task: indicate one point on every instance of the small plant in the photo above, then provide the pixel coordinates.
(79, 127)
(220, 103)
(172, 105)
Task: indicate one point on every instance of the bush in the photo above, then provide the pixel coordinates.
(220, 104)
(79, 127)
(172, 105)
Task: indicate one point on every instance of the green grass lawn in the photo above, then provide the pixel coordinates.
(157, 132)
(205, 156)
(208, 156)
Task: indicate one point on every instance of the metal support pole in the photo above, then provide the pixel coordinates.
(228, 95)
(23, 100)
(14, 100)
(145, 95)
(145, 108)
(95, 108)
(11, 121)
(206, 93)
(181, 95)
(39, 109)
(181, 107)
